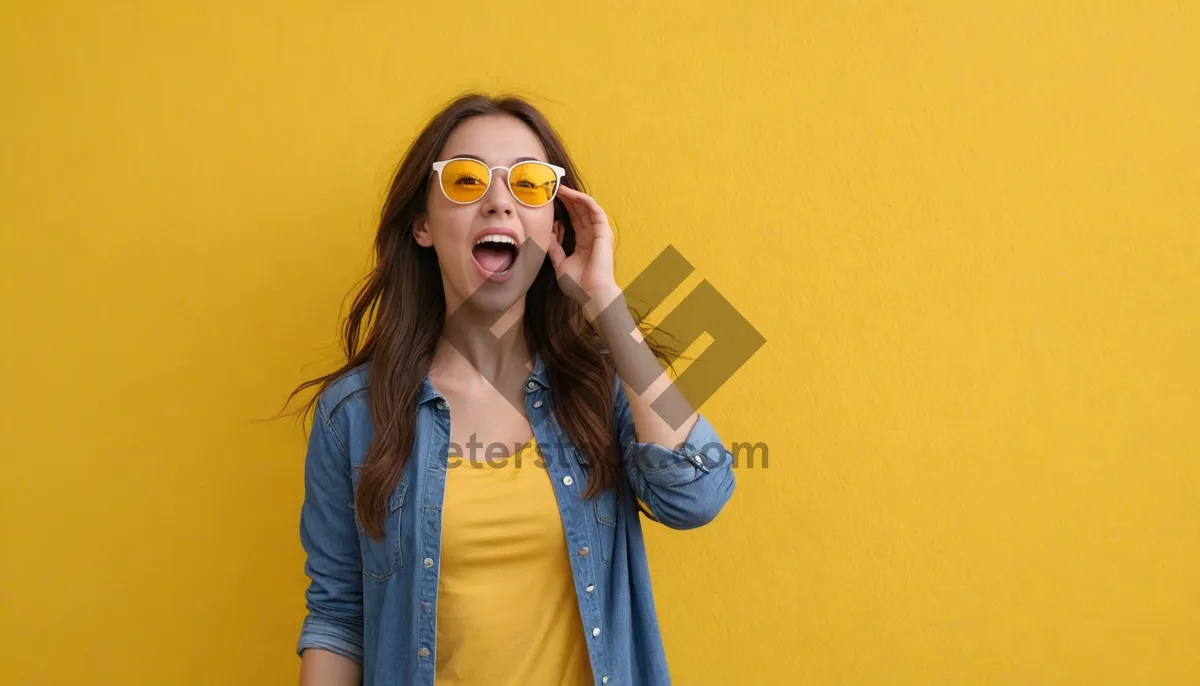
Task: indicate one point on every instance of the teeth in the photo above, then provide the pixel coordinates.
(496, 238)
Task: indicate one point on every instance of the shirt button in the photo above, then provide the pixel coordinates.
(537, 403)
(590, 588)
(596, 631)
(604, 680)
(530, 386)
(583, 552)
(567, 481)
(424, 652)
(428, 562)
(441, 405)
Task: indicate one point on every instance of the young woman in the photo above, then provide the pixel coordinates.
(492, 319)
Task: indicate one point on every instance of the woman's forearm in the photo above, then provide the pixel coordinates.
(645, 380)
(326, 668)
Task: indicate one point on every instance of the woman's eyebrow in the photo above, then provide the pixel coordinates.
(480, 159)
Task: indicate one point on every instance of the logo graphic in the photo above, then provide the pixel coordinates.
(704, 310)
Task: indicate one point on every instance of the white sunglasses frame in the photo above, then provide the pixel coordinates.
(439, 166)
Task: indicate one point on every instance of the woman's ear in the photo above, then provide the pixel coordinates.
(421, 231)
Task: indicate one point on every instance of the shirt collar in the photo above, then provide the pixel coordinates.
(539, 376)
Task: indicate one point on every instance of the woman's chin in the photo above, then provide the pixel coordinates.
(489, 297)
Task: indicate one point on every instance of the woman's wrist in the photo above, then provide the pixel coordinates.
(600, 300)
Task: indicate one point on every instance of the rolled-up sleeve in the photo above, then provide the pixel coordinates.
(329, 535)
(681, 488)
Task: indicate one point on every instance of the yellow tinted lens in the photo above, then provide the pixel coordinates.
(533, 183)
(465, 180)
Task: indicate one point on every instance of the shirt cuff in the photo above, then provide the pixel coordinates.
(701, 452)
(331, 637)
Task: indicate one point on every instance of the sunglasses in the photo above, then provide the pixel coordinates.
(465, 180)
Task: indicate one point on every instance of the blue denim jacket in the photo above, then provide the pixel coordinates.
(375, 601)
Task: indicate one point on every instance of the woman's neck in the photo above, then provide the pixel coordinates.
(483, 346)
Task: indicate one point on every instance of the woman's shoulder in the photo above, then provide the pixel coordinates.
(346, 388)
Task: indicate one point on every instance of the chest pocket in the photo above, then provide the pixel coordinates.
(606, 508)
(604, 505)
(382, 557)
(603, 509)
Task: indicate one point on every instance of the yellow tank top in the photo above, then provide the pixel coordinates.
(506, 611)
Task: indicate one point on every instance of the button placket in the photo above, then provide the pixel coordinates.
(579, 565)
(428, 538)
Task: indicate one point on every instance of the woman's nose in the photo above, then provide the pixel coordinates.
(497, 198)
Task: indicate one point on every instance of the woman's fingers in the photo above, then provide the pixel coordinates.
(573, 213)
(583, 208)
(584, 231)
(597, 213)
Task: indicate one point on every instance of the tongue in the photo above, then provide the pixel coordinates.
(493, 259)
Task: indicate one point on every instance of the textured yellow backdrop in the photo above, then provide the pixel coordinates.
(970, 237)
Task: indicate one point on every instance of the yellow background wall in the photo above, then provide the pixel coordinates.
(970, 237)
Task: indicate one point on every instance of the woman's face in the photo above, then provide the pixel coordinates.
(493, 276)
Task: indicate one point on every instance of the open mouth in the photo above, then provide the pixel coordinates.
(495, 255)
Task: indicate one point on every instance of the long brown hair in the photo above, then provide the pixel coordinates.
(397, 318)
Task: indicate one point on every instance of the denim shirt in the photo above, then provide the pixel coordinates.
(375, 601)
